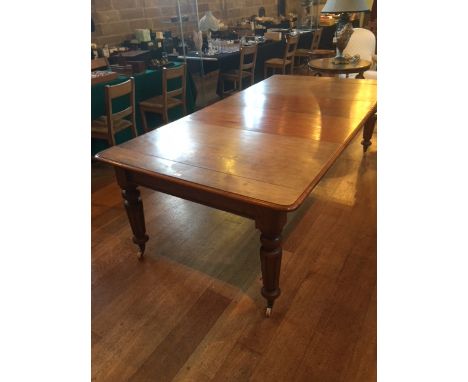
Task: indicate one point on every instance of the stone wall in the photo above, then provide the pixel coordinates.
(116, 20)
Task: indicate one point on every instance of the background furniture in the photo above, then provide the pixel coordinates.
(248, 58)
(326, 66)
(304, 53)
(287, 60)
(122, 58)
(147, 85)
(126, 70)
(225, 140)
(362, 42)
(99, 76)
(99, 63)
(161, 104)
(204, 64)
(314, 51)
(344, 27)
(106, 126)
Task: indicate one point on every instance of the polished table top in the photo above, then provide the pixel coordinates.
(257, 154)
(268, 145)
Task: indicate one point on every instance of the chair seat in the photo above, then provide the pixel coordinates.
(316, 53)
(99, 125)
(302, 53)
(277, 62)
(234, 74)
(158, 103)
(322, 53)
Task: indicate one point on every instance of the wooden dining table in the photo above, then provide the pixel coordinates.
(257, 154)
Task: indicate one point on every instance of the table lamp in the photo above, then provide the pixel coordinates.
(344, 28)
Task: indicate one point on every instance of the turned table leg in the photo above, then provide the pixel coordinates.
(134, 208)
(368, 131)
(271, 226)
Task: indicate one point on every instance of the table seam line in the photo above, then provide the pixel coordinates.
(217, 171)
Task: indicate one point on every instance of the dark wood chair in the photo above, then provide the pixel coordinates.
(314, 51)
(287, 60)
(106, 126)
(248, 58)
(168, 99)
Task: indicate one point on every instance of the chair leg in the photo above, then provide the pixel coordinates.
(134, 131)
(265, 72)
(284, 69)
(222, 87)
(165, 117)
(143, 119)
(292, 69)
(110, 136)
(184, 108)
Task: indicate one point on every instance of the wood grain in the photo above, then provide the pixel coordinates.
(194, 300)
(252, 174)
(183, 339)
(262, 156)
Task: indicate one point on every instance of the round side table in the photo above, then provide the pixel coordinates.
(326, 66)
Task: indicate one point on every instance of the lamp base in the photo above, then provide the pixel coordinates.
(340, 60)
(343, 34)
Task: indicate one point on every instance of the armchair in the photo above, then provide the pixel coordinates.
(362, 42)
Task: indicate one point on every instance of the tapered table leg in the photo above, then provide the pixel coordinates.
(271, 226)
(368, 131)
(134, 208)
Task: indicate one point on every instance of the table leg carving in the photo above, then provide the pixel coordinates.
(368, 131)
(271, 226)
(360, 75)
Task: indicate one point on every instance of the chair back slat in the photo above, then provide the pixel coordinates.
(248, 59)
(174, 79)
(291, 46)
(115, 91)
(316, 39)
(121, 114)
(246, 52)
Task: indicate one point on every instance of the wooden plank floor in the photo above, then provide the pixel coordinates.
(192, 310)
